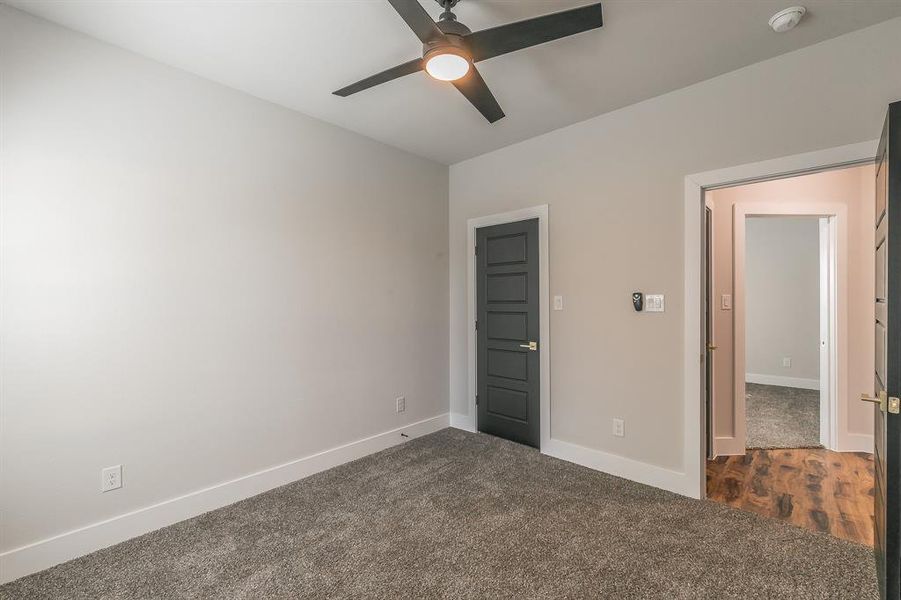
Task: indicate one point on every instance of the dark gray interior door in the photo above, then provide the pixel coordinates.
(887, 438)
(708, 329)
(507, 331)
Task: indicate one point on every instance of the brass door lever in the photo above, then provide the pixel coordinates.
(879, 399)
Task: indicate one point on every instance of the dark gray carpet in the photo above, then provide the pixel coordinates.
(459, 515)
(782, 417)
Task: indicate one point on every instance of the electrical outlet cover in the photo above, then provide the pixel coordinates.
(400, 404)
(111, 478)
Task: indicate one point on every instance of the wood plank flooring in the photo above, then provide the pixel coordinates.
(813, 488)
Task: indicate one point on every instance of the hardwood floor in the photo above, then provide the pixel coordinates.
(813, 488)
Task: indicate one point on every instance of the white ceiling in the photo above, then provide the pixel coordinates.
(295, 53)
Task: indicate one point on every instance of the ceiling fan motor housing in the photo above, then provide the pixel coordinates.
(453, 41)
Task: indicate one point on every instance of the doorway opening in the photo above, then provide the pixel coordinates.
(789, 296)
(787, 340)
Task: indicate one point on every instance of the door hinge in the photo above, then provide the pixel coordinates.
(477, 324)
(477, 399)
(476, 251)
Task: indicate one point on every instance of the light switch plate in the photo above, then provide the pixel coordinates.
(653, 302)
(726, 302)
(558, 302)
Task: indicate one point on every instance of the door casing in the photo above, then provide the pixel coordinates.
(835, 216)
(541, 213)
(694, 380)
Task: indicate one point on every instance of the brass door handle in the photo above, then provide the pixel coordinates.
(533, 346)
(878, 400)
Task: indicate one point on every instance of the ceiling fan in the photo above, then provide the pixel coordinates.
(450, 50)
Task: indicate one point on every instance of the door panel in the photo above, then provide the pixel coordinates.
(887, 376)
(508, 403)
(507, 308)
(508, 326)
(508, 364)
(508, 288)
(506, 250)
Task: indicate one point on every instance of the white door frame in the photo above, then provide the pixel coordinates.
(836, 218)
(694, 442)
(828, 319)
(544, 316)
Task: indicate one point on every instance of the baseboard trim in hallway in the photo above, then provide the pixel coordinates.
(795, 382)
(43, 554)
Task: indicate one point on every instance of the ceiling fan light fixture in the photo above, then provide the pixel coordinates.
(450, 49)
(446, 64)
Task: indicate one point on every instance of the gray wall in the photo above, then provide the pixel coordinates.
(782, 288)
(196, 284)
(615, 189)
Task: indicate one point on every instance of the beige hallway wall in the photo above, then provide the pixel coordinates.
(854, 189)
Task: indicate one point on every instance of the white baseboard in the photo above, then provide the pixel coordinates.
(855, 442)
(795, 382)
(727, 446)
(627, 468)
(22, 561)
(848, 442)
(464, 422)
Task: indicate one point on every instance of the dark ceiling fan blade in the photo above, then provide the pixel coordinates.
(489, 43)
(393, 73)
(418, 19)
(476, 91)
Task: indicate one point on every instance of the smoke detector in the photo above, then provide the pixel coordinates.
(787, 19)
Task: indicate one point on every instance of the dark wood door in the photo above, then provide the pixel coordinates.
(708, 327)
(887, 538)
(507, 331)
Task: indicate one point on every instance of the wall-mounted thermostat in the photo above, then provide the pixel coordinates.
(638, 301)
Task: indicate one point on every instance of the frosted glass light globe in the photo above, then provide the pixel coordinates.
(447, 66)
